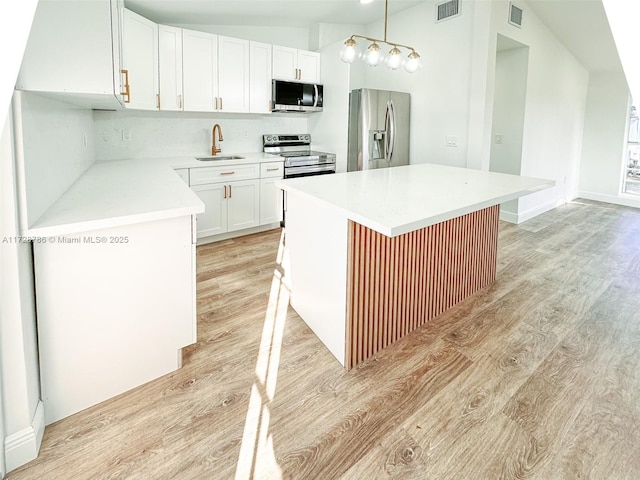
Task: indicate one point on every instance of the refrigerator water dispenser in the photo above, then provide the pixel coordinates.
(376, 144)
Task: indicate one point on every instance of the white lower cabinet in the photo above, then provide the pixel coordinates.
(115, 307)
(237, 197)
(213, 221)
(270, 194)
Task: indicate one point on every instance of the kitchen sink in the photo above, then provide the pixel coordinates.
(220, 157)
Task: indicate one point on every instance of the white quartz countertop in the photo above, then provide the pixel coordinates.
(398, 200)
(123, 192)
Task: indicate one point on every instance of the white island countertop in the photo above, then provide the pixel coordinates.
(395, 201)
(124, 192)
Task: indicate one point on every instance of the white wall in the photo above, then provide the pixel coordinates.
(165, 134)
(440, 90)
(57, 144)
(329, 130)
(604, 145)
(23, 417)
(554, 110)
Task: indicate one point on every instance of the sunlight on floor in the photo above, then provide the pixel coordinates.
(257, 458)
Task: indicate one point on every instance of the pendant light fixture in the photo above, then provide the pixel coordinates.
(374, 54)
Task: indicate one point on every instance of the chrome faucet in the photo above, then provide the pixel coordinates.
(215, 149)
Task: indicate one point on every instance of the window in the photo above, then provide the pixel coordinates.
(632, 177)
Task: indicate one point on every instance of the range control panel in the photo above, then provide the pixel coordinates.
(271, 140)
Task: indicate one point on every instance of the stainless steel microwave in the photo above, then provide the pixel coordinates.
(295, 96)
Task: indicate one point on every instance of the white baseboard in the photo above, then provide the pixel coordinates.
(23, 446)
(509, 216)
(520, 217)
(626, 200)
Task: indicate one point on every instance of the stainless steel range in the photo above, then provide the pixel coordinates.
(299, 159)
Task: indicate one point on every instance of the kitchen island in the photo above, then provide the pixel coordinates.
(374, 254)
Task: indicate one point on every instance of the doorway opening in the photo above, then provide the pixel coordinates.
(631, 182)
(509, 99)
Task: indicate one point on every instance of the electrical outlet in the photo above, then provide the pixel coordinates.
(499, 139)
(126, 135)
(245, 133)
(452, 141)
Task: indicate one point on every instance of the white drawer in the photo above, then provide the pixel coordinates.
(230, 173)
(271, 169)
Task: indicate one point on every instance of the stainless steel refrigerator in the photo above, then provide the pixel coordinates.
(378, 129)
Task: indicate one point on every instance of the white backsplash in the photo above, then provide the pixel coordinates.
(164, 134)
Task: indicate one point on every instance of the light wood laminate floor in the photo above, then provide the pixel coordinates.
(536, 376)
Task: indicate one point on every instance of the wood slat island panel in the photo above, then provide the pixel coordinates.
(396, 284)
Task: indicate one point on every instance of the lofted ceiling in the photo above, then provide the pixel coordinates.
(292, 13)
(581, 25)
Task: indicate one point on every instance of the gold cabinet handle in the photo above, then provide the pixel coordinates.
(158, 100)
(227, 173)
(180, 102)
(127, 90)
(272, 169)
(215, 103)
(220, 103)
(229, 191)
(225, 192)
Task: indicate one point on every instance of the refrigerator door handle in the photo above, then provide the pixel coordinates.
(391, 129)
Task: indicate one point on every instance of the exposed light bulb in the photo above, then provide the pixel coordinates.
(413, 62)
(374, 55)
(350, 51)
(394, 58)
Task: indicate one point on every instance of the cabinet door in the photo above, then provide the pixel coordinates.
(170, 64)
(308, 66)
(213, 220)
(243, 201)
(233, 74)
(270, 201)
(140, 60)
(200, 71)
(260, 77)
(71, 49)
(285, 63)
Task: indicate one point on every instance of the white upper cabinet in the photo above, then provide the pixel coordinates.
(140, 61)
(297, 65)
(308, 66)
(170, 64)
(73, 48)
(200, 71)
(260, 77)
(215, 73)
(233, 74)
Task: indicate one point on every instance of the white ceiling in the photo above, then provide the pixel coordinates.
(292, 13)
(581, 25)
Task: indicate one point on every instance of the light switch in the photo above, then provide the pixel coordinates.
(126, 135)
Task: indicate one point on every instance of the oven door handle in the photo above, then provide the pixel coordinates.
(310, 169)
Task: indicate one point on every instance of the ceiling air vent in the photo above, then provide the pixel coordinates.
(446, 10)
(515, 15)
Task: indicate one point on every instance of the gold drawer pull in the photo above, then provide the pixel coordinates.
(272, 169)
(227, 173)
